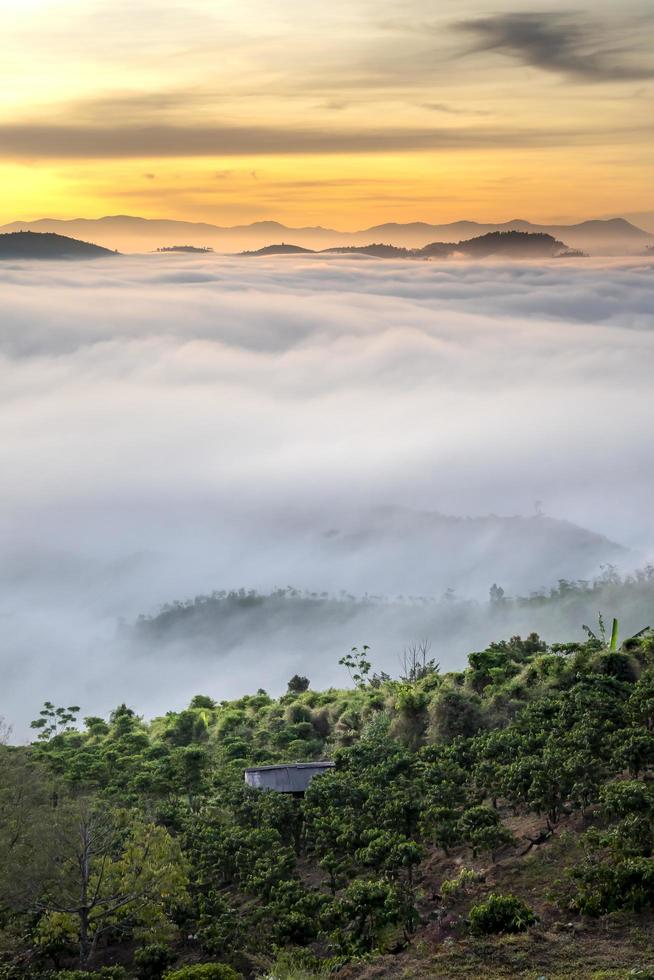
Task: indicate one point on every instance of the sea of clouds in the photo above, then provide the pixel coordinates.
(174, 424)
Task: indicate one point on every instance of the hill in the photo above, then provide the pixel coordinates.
(193, 249)
(47, 245)
(512, 244)
(494, 821)
(281, 249)
(509, 244)
(376, 250)
(614, 236)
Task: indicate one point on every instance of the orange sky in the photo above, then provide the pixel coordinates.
(343, 114)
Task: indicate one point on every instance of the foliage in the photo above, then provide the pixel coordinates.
(152, 961)
(204, 971)
(120, 834)
(500, 913)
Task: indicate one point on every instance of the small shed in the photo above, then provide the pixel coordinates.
(286, 778)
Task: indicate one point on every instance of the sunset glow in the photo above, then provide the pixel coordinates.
(344, 114)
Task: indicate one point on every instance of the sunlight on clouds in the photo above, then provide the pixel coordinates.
(455, 99)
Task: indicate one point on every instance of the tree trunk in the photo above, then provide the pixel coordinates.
(85, 873)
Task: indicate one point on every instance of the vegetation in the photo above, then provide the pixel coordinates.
(495, 821)
(509, 244)
(47, 245)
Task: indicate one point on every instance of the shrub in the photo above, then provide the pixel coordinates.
(461, 883)
(204, 971)
(454, 713)
(501, 913)
(296, 713)
(603, 888)
(104, 973)
(151, 961)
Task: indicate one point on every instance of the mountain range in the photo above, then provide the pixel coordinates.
(615, 236)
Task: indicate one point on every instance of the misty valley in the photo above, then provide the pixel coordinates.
(392, 516)
(326, 535)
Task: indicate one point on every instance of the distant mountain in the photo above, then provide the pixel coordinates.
(610, 237)
(47, 245)
(378, 251)
(395, 546)
(614, 236)
(510, 244)
(428, 575)
(281, 249)
(185, 248)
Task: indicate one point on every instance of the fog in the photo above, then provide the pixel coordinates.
(173, 425)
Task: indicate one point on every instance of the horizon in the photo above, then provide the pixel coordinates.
(323, 226)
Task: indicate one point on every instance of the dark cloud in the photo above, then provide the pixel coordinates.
(567, 44)
(39, 140)
(454, 110)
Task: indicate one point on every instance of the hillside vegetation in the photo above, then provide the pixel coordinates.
(47, 245)
(507, 244)
(496, 822)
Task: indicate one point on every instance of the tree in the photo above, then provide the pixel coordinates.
(358, 665)
(386, 851)
(481, 827)
(365, 909)
(298, 684)
(25, 821)
(416, 663)
(53, 721)
(110, 868)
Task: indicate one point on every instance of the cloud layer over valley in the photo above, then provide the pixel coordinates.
(173, 425)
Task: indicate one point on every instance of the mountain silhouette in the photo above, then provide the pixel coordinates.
(614, 236)
(47, 245)
(510, 244)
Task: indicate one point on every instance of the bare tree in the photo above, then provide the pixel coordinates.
(415, 662)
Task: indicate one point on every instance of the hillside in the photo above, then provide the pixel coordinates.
(507, 244)
(512, 244)
(47, 245)
(281, 249)
(614, 236)
(496, 821)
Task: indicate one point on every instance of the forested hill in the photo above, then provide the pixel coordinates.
(47, 245)
(495, 822)
(502, 244)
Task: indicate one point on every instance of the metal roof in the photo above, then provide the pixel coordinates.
(293, 777)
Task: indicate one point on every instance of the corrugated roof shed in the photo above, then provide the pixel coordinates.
(290, 778)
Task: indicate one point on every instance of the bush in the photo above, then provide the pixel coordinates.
(461, 883)
(104, 973)
(296, 713)
(453, 713)
(151, 961)
(501, 913)
(204, 971)
(604, 888)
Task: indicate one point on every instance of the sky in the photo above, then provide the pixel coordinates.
(344, 114)
(171, 425)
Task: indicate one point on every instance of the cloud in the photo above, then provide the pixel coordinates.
(36, 140)
(171, 425)
(567, 44)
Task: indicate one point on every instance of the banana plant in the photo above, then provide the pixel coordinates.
(610, 644)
